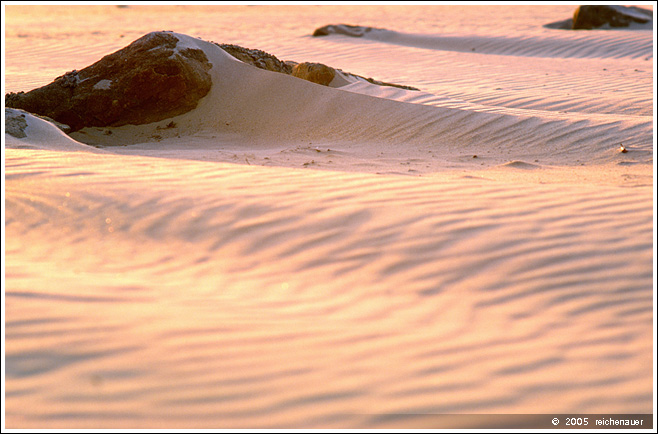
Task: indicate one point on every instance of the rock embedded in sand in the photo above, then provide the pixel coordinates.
(314, 72)
(258, 58)
(15, 123)
(592, 16)
(150, 80)
(589, 17)
(147, 81)
(342, 29)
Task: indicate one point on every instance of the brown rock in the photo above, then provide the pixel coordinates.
(314, 72)
(258, 58)
(147, 81)
(592, 16)
(342, 29)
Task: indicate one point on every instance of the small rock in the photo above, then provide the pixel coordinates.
(15, 123)
(342, 29)
(592, 16)
(258, 58)
(314, 72)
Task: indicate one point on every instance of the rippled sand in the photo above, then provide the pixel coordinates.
(297, 256)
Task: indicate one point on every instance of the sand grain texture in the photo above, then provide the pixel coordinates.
(291, 255)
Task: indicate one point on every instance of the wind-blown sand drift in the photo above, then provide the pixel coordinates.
(272, 108)
(513, 276)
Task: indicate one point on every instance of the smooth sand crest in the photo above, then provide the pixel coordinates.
(42, 134)
(263, 263)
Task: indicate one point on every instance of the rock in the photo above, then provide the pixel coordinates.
(383, 83)
(15, 123)
(147, 81)
(314, 72)
(65, 128)
(594, 16)
(342, 29)
(257, 58)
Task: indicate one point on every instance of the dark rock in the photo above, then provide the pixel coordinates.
(65, 128)
(593, 16)
(314, 72)
(147, 81)
(342, 29)
(564, 24)
(258, 58)
(383, 83)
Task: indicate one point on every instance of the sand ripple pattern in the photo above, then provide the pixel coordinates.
(170, 292)
(337, 300)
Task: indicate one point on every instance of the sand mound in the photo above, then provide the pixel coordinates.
(273, 110)
(26, 131)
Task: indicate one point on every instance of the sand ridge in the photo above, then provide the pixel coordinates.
(266, 107)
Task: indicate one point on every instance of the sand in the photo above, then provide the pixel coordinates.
(290, 255)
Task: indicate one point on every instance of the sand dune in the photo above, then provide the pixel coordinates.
(276, 110)
(264, 264)
(582, 45)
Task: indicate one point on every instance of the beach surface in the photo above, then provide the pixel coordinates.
(291, 255)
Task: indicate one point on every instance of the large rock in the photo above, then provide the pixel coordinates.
(147, 81)
(150, 80)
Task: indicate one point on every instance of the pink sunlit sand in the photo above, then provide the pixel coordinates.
(292, 255)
